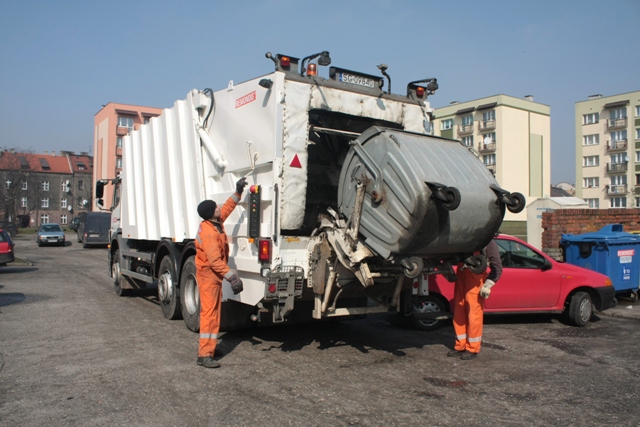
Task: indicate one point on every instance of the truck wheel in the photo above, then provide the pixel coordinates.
(168, 289)
(117, 277)
(580, 310)
(423, 307)
(190, 295)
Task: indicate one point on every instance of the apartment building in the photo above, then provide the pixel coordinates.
(608, 150)
(111, 124)
(512, 137)
(42, 188)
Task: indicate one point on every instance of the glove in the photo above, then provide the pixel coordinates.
(234, 280)
(242, 182)
(485, 291)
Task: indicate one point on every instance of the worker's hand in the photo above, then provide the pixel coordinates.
(242, 182)
(234, 280)
(485, 291)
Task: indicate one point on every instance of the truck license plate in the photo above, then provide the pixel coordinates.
(356, 80)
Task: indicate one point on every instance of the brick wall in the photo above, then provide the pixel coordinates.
(580, 221)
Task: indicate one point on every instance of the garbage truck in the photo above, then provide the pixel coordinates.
(352, 201)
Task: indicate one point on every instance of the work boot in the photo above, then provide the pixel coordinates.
(467, 355)
(208, 362)
(455, 353)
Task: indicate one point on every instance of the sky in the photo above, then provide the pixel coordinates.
(60, 61)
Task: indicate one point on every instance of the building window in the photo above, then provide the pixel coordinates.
(618, 202)
(119, 142)
(468, 141)
(25, 185)
(618, 158)
(45, 185)
(125, 122)
(467, 120)
(79, 201)
(23, 202)
(44, 219)
(63, 203)
(489, 159)
(638, 133)
(620, 135)
(589, 119)
(637, 110)
(619, 180)
(44, 203)
(593, 182)
(593, 203)
(637, 156)
(63, 219)
(118, 162)
(80, 184)
(446, 124)
(7, 185)
(590, 161)
(637, 179)
(637, 202)
(489, 116)
(81, 166)
(591, 139)
(618, 113)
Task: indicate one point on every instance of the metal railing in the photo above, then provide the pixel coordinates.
(617, 189)
(465, 129)
(486, 148)
(489, 124)
(617, 145)
(616, 167)
(617, 123)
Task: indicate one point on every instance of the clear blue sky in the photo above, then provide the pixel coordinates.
(61, 60)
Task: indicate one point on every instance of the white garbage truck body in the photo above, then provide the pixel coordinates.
(350, 199)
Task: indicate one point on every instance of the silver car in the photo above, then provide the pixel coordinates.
(50, 234)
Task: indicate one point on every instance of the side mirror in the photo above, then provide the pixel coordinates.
(100, 189)
(547, 265)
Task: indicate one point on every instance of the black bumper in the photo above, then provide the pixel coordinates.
(607, 298)
(7, 258)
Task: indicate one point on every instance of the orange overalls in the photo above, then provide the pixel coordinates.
(212, 256)
(468, 310)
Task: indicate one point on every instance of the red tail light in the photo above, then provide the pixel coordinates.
(264, 250)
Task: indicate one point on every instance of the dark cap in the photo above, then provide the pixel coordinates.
(206, 209)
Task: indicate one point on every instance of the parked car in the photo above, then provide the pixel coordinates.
(6, 248)
(50, 234)
(531, 282)
(74, 223)
(9, 227)
(93, 228)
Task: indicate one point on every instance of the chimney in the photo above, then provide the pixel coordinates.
(529, 97)
(46, 153)
(53, 153)
(596, 96)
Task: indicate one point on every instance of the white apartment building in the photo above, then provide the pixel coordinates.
(608, 150)
(512, 136)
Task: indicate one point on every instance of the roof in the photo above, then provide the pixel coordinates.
(559, 192)
(46, 163)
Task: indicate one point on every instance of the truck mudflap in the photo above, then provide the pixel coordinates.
(424, 196)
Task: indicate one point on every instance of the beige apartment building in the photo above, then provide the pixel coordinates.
(111, 124)
(512, 137)
(608, 150)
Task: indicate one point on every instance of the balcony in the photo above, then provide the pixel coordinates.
(620, 145)
(492, 169)
(119, 151)
(617, 123)
(617, 167)
(487, 148)
(465, 129)
(122, 130)
(487, 125)
(616, 190)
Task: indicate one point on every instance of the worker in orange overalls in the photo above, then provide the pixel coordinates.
(212, 257)
(468, 303)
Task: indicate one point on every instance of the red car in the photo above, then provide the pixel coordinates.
(6, 248)
(531, 282)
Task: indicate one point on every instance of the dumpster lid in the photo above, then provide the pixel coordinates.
(610, 233)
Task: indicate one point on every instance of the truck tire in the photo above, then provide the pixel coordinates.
(580, 309)
(190, 295)
(429, 304)
(168, 292)
(117, 277)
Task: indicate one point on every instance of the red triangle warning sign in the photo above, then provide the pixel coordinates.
(295, 163)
